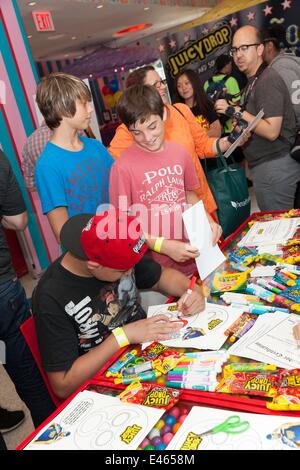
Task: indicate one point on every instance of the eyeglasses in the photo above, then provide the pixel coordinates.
(159, 83)
(244, 48)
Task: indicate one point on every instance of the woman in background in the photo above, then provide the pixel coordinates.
(189, 90)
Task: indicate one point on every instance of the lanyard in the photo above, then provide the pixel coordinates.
(246, 93)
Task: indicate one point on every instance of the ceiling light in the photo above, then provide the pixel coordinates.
(99, 6)
(147, 8)
(29, 36)
(31, 4)
(74, 37)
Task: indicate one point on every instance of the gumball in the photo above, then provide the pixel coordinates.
(144, 443)
(171, 420)
(156, 441)
(166, 428)
(113, 85)
(150, 447)
(167, 437)
(161, 446)
(175, 411)
(153, 433)
(176, 427)
(105, 90)
(181, 418)
(160, 424)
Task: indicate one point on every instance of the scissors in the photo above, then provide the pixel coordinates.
(232, 425)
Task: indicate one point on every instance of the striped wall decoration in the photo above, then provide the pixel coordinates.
(18, 80)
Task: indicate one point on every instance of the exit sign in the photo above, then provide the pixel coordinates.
(43, 21)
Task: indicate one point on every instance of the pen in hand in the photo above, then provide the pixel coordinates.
(190, 288)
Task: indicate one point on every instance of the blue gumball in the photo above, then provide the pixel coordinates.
(114, 85)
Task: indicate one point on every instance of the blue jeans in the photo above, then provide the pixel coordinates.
(20, 364)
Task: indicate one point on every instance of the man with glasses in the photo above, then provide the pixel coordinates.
(274, 173)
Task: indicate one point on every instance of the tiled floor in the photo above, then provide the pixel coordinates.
(9, 398)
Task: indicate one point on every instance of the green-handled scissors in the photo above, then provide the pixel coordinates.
(232, 425)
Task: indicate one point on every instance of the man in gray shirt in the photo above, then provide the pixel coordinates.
(275, 174)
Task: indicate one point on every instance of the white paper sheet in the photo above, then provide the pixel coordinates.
(200, 236)
(271, 340)
(270, 232)
(97, 422)
(212, 322)
(202, 419)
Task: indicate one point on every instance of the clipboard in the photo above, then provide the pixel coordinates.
(250, 127)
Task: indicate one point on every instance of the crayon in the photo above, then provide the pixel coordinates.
(231, 329)
(283, 301)
(120, 363)
(246, 328)
(277, 284)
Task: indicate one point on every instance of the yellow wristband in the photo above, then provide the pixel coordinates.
(120, 336)
(157, 244)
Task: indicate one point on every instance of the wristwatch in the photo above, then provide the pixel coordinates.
(238, 115)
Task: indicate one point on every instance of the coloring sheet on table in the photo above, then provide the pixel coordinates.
(264, 432)
(204, 330)
(200, 235)
(272, 232)
(271, 340)
(97, 422)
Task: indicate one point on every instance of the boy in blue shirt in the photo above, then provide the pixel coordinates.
(72, 174)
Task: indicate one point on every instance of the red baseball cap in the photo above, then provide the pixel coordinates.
(111, 238)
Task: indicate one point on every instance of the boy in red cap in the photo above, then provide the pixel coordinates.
(91, 292)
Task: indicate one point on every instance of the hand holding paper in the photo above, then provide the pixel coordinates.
(200, 235)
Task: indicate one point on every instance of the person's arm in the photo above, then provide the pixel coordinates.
(15, 222)
(269, 128)
(157, 328)
(174, 283)
(121, 141)
(215, 129)
(57, 217)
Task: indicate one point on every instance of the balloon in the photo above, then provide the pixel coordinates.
(114, 85)
(106, 90)
(109, 101)
(117, 96)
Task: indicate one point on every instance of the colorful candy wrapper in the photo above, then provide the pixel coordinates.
(259, 384)
(153, 351)
(157, 396)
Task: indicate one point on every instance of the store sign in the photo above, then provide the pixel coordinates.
(43, 21)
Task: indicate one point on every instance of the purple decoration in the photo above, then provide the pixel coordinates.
(106, 61)
(166, 428)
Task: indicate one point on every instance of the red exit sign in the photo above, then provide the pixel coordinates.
(43, 21)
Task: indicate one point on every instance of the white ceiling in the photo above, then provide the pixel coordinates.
(92, 26)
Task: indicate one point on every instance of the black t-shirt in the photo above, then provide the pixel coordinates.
(74, 314)
(206, 120)
(11, 203)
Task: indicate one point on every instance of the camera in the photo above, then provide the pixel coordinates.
(241, 124)
(220, 95)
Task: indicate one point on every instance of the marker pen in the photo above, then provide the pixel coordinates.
(292, 268)
(190, 288)
(250, 366)
(143, 376)
(264, 283)
(120, 363)
(191, 386)
(288, 274)
(261, 292)
(259, 309)
(212, 355)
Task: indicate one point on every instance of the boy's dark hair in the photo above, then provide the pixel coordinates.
(57, 94)
(274, 34)
(137, 77)
(200, 97)
(138, 103)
